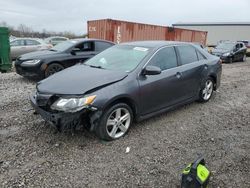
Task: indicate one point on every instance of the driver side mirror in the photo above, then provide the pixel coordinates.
(151, 70)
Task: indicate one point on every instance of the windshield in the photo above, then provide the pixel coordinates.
(63, 46)
(226, 46)
(119, 57)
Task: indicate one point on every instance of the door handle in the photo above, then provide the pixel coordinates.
(178, 75)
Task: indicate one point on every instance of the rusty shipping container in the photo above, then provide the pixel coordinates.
(122, 31)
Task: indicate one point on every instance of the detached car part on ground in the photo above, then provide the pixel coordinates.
(125, 83)
(44, 63)
(230, 51)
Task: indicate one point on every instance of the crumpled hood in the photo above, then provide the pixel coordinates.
(38, 55)
(79, 79)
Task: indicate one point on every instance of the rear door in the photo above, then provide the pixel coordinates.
(191, 70)
(160, 91)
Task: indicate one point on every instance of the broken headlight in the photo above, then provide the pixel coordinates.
(72, 104)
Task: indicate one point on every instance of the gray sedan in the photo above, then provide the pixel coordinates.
(125, 83)
(20, 46)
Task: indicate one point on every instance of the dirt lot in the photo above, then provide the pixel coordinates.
(34, 155)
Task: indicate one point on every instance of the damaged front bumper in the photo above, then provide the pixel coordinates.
(66, 120)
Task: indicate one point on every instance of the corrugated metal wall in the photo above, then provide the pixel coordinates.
(222, 32)
(122, 31)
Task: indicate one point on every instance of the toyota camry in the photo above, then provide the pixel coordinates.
(126, 83)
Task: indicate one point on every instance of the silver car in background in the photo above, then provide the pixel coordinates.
(55, 40)
(20, 46)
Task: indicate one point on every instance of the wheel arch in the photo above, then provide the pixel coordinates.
(123, 99)
(45, 65)
(214, 78)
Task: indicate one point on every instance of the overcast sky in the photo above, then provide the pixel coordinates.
(72, 15)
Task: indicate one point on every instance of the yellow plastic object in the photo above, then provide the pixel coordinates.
(202, 173)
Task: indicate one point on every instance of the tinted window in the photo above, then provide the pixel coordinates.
(100, 46)
(165, 59)
(17, 43)
(200, 56)
(86, 46)
(237, 46)
(31, 42)
(187, 54)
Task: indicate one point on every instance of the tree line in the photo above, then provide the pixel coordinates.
(25, 31)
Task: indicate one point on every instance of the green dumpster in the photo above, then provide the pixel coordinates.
(5, 62)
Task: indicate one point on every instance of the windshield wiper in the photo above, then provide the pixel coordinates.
(96, 66)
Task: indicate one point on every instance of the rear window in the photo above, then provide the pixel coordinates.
(187, 54)
(100, 46)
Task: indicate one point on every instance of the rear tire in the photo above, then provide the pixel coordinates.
(207, 90)
(115, 122)
(52, 69)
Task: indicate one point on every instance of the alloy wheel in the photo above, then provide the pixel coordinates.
(118, 123)
(208, 90)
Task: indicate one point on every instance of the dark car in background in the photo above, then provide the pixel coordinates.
(44, 63)
(125, 83)
(230, 51)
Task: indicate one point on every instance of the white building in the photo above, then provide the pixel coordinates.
(218, 31)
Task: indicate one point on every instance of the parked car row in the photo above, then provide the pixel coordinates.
(124, 83)
(20, 46)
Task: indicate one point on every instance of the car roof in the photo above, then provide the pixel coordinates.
(28, 38)
(154, 43)
(89, 39)
(56, 37)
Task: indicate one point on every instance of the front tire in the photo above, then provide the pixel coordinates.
(207, 90)
(115, 122)
(52, 69)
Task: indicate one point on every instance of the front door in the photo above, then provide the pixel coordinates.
(86, 51)
(160, 91)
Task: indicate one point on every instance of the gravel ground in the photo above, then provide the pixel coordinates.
(33, 154)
